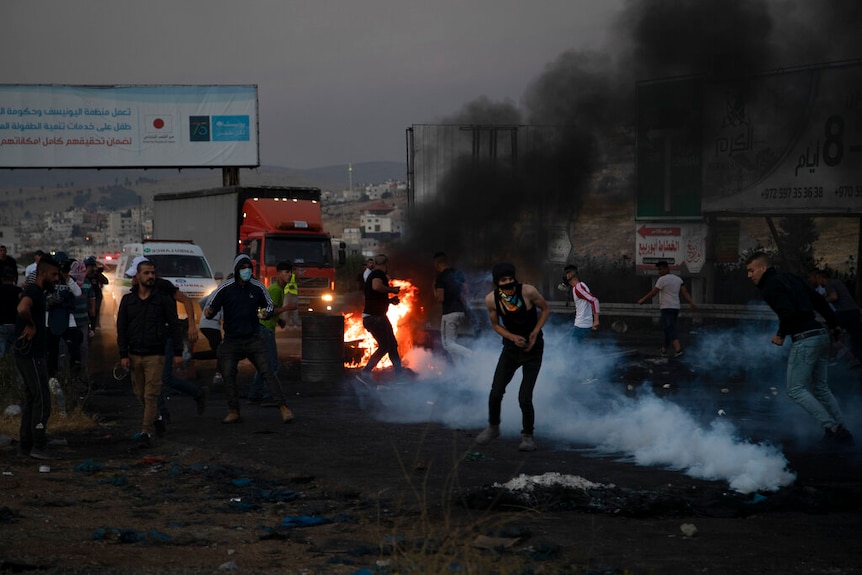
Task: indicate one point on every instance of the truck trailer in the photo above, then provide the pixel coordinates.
(270, 224)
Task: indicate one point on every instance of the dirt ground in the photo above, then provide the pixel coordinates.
(340, 491)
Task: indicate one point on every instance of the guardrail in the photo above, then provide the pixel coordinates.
(705, 311)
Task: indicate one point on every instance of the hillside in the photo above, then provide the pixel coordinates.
(37, 191)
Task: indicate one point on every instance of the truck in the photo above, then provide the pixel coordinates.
(269, 223)
(180, 262)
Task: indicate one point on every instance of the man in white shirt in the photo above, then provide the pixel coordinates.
(586, 305)
(669, 287)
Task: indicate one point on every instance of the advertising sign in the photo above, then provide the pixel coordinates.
(785, 143)
(48, 126)
(678, 244)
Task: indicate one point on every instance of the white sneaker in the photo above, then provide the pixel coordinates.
(488, 434)
(527, 443)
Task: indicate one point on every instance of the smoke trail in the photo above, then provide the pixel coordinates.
(578, 405)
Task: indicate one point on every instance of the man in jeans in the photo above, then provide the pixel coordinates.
(145, 319)
(449, 290)
(258, 391)
(31, 346)
(795, 303)
(245, 301)
(669, 287)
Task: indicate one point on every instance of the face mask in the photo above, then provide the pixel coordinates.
(509, 287)
(245, 274)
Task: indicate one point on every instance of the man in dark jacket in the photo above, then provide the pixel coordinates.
(145, 319)
(30, 347)
(245, 302)
(795, 303)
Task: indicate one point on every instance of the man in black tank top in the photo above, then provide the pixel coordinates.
(517, 312)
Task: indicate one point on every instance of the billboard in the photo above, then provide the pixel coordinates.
(53, 126)
(785, 143)
(782, 143)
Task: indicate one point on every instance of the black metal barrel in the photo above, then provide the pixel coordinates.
(322, 348)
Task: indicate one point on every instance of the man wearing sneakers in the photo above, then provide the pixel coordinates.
(795, 303)
(374, 320)
(146, 319)
(30, 348)
(512, 308)
(245, 301)
(669, 287)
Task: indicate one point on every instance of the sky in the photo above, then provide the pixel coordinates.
(338, 81)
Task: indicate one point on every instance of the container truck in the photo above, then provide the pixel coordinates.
(270, 224)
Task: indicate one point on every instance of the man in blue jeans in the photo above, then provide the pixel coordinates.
(795, 303)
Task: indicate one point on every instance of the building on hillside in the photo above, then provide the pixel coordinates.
(9, 238)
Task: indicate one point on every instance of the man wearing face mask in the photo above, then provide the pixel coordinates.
(30, 347)
(517, 312)
(245, 302)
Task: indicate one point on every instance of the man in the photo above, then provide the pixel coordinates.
(10, 295)
(31, 268)
(98, 281)
(245, 301)
(7, 262)
(198, 394)
(669, 287)
(846, 311)
(369, 267)
(291, 299)
(257, 392)
(449, 290)
(145, 319)
(374, 320)
(586, 305)
(30, 348)
(512, 308)
(795, 303)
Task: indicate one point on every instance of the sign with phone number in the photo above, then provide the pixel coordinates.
(785, 143)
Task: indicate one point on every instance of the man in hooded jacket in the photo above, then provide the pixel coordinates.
(244, 301)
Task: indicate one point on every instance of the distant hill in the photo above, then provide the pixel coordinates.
(26, 192)
(333, 177)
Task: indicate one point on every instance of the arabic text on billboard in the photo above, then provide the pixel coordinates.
(46, 126)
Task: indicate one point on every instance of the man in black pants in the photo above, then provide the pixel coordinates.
(30, 349)
(512, 309)
(377, 300)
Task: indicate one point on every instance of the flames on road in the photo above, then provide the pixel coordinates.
(356, 336)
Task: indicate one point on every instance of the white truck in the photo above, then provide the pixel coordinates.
(182, 263)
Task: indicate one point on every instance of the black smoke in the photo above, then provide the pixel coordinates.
(486, 211)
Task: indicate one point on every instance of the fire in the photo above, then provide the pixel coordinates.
(358, 337)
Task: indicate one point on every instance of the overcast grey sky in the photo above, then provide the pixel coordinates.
(339, 80)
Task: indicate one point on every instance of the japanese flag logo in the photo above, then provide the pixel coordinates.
(159, 124)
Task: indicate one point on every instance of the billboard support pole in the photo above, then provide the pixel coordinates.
(229, 177)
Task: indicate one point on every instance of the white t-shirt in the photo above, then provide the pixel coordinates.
(668, 295)
(585, 305)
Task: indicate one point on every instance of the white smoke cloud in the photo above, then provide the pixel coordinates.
(577, 404)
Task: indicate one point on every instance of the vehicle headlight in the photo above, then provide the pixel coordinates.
(326, 297)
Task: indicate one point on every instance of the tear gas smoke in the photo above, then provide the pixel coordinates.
(578, 405)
